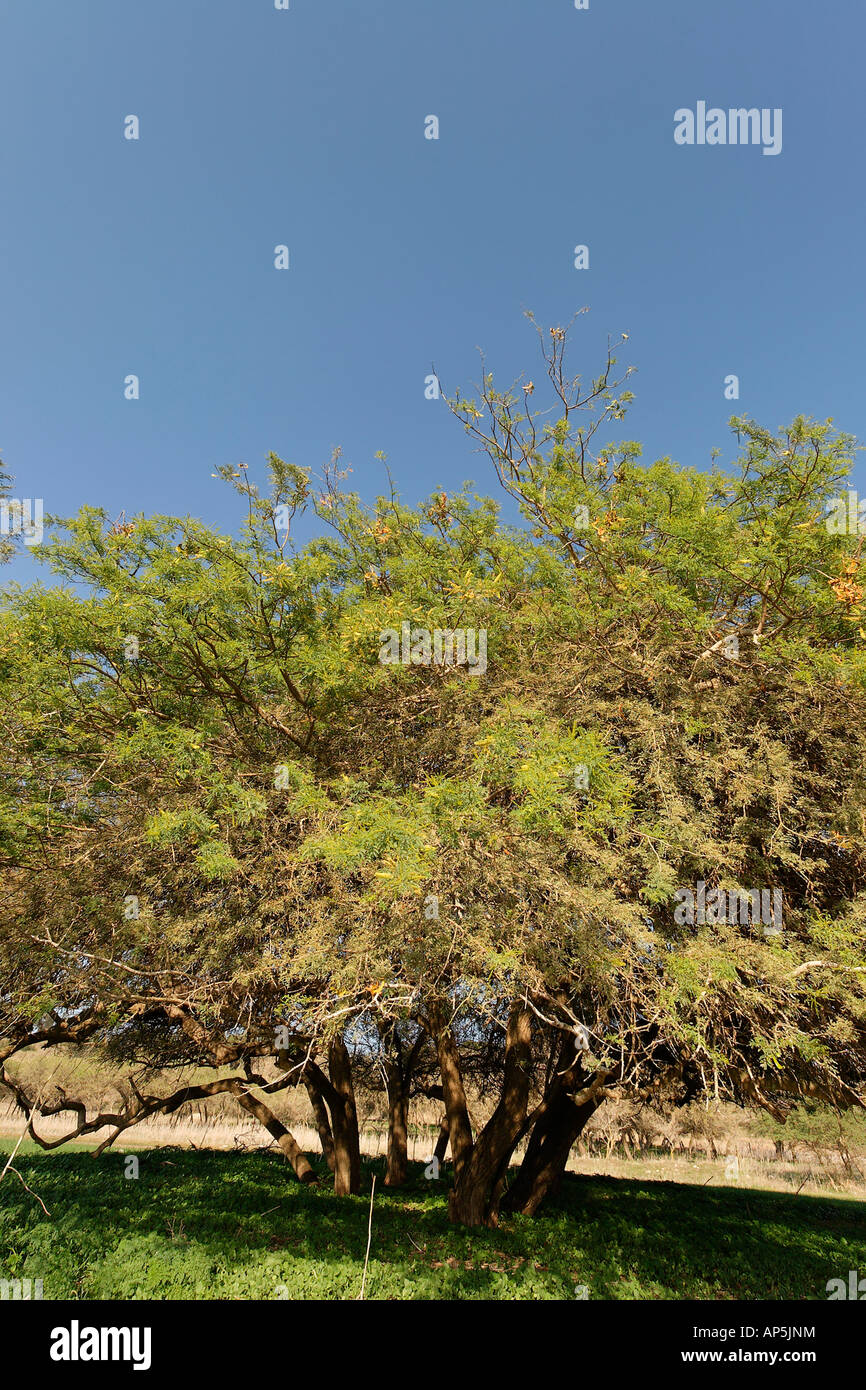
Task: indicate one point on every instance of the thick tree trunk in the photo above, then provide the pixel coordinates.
(474, 1200)
(547, 1154)
(277, 1129)
(571, 1101)
(323, 1124)
(344, 1121)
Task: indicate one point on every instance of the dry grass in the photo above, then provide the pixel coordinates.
(765, 1174)
(208, 1133)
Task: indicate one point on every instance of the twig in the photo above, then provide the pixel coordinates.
(826, 965)
(9, 1169)
(28, 1189)
(369, 1238)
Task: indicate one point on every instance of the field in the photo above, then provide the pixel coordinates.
(207, 1225)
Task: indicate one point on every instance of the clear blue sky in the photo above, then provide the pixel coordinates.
(306, 127)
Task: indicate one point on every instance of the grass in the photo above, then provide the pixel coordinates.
(236, 1226)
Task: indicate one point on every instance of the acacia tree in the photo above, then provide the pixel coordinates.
(234, 831)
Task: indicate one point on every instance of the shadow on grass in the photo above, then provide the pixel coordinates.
(222, 1225)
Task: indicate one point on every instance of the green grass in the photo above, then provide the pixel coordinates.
(220, 1225)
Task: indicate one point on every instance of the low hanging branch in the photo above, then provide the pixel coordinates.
(143, 1107)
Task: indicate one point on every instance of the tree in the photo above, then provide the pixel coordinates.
(252, 811)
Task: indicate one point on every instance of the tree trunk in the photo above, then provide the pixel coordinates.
(474, 1200)
(566, 1107)
(399, 1063)
(442, 1141)
(397, 1164)
(456, 1108)
(277, 1129)
(344, 1121)
(544, 1163)
(323, 1124)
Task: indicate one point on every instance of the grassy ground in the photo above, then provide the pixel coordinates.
(219, 1225)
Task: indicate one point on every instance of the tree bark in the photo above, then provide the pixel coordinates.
(399, 1064)
(397, 1164)
(453, 1093)
(344, 1121)
(323, 1124)
(442, 1141)
(571, 1100)
(542, 1168)
(474, 1199)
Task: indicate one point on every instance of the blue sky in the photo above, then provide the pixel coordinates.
(306, 127)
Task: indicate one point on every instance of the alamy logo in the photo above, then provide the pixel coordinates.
(18, 1289)
(846, 516)
(856, 1288)
(77, 1343)
(718, 905)
(417, 646)
(22, 518)
(737, 126)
